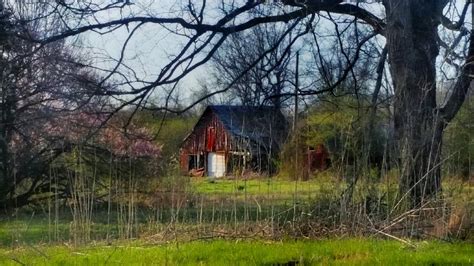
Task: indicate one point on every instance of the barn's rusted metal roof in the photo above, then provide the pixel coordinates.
(259, 126)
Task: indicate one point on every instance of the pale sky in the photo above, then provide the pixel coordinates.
(152, 46)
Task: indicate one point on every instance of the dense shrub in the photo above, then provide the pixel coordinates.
(355, 141)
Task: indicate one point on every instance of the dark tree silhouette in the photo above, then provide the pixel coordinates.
(263, 83)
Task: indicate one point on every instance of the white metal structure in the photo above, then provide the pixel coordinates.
(215, 164)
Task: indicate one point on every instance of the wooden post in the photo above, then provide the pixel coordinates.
(295, 117)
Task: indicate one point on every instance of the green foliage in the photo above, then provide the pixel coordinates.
(346, 128)
(170, 133)
(291, 159)
(328, 123)
(459, 142)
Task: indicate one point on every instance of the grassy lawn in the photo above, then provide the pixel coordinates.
(221, 252)
(284, 189)
(254, 186)
(270, 188)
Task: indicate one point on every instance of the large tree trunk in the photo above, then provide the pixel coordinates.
(7, 109)
(413, 47)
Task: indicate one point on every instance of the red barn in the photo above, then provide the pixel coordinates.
(317, 158)
(229, 140)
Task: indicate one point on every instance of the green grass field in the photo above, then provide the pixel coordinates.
(226, 208)
(221, 202)
(277, 190)
(267, 186)
(220, 252)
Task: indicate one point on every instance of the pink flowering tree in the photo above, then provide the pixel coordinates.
(51, 105)
(93, 147)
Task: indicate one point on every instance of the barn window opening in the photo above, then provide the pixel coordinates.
(195, 161)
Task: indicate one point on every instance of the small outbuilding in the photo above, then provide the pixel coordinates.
(232, 140)
(317, 159)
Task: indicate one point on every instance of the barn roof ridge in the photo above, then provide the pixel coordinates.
(260, 124)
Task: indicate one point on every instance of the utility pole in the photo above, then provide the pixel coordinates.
(295, 117)
(295, 136)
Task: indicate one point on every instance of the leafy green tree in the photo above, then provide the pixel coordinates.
(343, 127)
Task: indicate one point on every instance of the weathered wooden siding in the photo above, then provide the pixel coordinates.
(249, 137)
(209, 135)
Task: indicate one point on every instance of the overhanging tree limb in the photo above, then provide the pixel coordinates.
(461, 87)
(220, 27)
